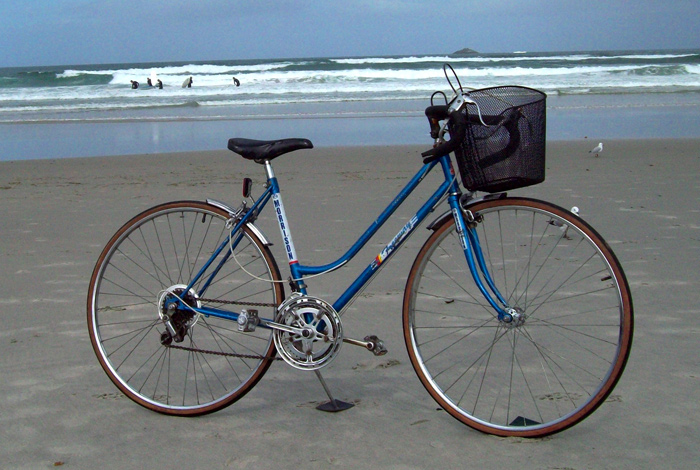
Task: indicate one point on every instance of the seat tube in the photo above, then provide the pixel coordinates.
(281, 216)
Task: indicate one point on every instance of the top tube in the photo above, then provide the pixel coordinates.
(449, 186)
(374, 227)
(299, 270)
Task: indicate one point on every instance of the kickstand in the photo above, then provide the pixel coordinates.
(333, 405)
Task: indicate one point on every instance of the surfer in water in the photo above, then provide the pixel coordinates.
(148, 80)
(159, 84)
(134, 84)
(187, 83)
(236, 82)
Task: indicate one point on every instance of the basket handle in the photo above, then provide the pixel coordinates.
(511, 125)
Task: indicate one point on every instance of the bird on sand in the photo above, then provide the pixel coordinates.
(562, 226)
(598, 149)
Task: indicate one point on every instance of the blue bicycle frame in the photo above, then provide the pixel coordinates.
(449, 188)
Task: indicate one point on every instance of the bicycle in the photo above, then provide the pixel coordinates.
(517, 315)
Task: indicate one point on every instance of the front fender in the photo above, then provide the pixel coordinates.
(439, 220)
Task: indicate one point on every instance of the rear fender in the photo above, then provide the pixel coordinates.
(232, 212)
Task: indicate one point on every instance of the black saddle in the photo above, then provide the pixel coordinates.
(261, 150)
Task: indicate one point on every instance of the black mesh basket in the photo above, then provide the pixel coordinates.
(508, 152)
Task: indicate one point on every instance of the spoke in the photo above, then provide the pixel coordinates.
(540, 242)
(149, 299)
(157, 270)
(552, 356)
(474, 329)
(132, 335)
(161, 352)
(496, 339)
(217, 363)
(541, 373)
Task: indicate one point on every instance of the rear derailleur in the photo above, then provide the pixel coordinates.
(175, 312)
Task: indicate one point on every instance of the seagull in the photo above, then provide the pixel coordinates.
(562, 226)
(598, 149)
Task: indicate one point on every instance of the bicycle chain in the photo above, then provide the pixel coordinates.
(221, 353)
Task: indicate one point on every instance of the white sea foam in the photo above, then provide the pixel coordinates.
(75, 92)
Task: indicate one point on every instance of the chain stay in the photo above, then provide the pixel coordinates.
(236, 302)
(221, 353)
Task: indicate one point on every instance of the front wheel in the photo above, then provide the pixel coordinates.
(570, 337)
(202, 363)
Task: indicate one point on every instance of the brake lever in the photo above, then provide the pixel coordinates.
(457, 123)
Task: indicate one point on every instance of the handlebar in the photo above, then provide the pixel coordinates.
(457, 118)
(456, 124)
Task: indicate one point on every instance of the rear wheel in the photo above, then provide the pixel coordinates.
(201, 364)
(567, 346)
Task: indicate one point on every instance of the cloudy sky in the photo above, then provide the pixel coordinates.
(62, 32)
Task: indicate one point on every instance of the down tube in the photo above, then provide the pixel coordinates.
(449, 185)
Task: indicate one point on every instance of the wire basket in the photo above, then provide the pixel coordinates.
(509, 151)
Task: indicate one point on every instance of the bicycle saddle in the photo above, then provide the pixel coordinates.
(260, 150)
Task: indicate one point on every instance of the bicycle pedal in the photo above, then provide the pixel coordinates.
(371, 343)
(376, 345)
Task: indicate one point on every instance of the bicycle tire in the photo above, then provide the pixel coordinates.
(161, 249)
(528, 379)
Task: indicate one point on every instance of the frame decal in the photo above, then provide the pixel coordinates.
(396, 241)
(284, 228)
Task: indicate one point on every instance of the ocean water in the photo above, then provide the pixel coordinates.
(60, 111)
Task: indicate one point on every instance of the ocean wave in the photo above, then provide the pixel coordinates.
(657, 70)
(85, 89)
(198, 69)
(34, 79)
(514, 57)
(391, 60)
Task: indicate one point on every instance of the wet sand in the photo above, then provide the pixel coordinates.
(57, 407)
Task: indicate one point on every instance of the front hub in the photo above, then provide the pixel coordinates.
(515, 318)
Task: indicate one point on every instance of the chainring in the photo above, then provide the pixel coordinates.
(319, 332)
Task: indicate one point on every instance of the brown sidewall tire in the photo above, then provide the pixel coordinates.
(271, 351)
(627, 323)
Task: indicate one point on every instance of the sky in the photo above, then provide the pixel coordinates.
(68, 32)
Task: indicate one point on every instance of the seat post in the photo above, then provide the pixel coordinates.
(268, 170)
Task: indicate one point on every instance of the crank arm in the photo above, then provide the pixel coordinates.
(371, 343)
(305, 333)
(282, 327)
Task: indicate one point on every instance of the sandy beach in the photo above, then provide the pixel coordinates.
(58, 408)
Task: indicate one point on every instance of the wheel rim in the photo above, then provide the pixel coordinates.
(550, 369)
(157, 254)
